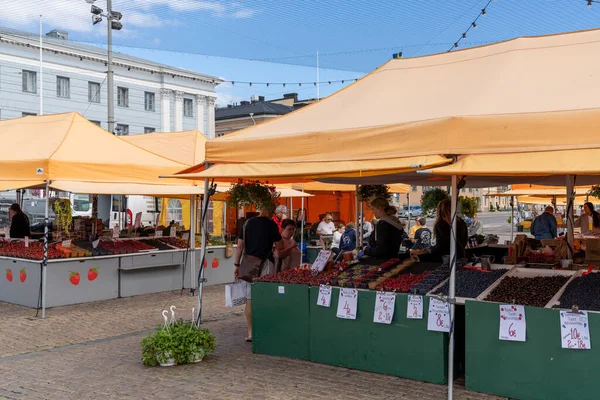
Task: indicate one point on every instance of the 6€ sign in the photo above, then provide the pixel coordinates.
(384, 308)
(512, 323)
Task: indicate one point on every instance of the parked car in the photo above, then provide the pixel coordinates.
(415, 211)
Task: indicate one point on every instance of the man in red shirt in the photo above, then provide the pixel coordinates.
(280, 215)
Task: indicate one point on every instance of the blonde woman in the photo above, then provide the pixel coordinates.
(389, 232)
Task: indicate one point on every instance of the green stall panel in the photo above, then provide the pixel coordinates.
(280, 320)
(405, 348)
(536, 369)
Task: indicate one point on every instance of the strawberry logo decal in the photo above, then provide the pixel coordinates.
(9, 275)
(205, 263)
(74, 278)
(92, 274)
(22, 275)
(215, 263)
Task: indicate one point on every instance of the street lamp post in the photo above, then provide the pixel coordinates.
(112, 18)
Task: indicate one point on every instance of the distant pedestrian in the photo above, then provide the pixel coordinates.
(476, 227)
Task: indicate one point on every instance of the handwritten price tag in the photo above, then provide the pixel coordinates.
(384, 308)
(95, 243)
(138, 220)
(324, 299)
(116, 232)
(438, 319)
(26, 241)
(66, 243)
(512, 323)
(158, 234)
(321, 260)
(347, 304)
(575, 330)
(173, 231)
(414, 310)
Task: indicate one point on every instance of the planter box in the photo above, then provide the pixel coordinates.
(405, 348)
(280, 321)
(536, 369)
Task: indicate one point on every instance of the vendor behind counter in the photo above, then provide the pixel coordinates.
(389, 232)
(19, 222)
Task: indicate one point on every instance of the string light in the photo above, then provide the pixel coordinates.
(589, 3)
(473, 25)
(268, 84)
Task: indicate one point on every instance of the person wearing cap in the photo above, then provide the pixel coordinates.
(325, 228)
(280, 215)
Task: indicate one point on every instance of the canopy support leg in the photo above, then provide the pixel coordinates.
(204, 229)
(512, 218)
(452, 284)
(357, 215)
(192, 251)
(570, 221)
(45, 258)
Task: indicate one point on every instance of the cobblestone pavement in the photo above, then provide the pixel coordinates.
(92, 351)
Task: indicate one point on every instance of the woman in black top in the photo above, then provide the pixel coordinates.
(19, 222)
(443, 234)
(389, 232)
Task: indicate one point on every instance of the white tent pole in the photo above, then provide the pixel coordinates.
(570, 221)
(452, 285)
(45, 258)
(203, 213)
(358, 222)
(192, 251)
(302, 226)
(318, 83)
(409, 214)
(291, 216)
(512, 218)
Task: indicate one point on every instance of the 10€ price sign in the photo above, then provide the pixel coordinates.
(414, 310)
(324, 299)
(575, 330)
(347, 304)
(513, 326)
(384, 308)
(438, 319)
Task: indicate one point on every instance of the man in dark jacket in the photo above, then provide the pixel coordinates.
(19, 222)
(348, 240)
(544, 226)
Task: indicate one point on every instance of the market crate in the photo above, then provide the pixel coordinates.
(536, 369)
(280, 320)
(405, 348)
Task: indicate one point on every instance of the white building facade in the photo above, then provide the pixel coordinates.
(148, 96)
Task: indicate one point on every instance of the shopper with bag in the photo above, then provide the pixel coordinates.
(254, 256)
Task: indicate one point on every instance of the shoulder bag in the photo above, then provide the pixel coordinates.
(250, 266)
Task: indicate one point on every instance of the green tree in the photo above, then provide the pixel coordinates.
(467, 206)
(431, 199)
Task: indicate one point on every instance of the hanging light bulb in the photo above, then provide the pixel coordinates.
(250, 83)
(284, 85)
(456, 44)
(474, 25)
(464, 35)
(483, 12)
(589, 3)
(267, 84)
(232, 83)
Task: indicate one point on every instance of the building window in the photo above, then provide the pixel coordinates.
(122, 97)
(149, 101)
(122, 130)
(93, 92)
(96, 122)
(63, 87)
(175, 211)
(26, 114)
(148, 129)
(414, 188)
(188, 107)
(29, 81)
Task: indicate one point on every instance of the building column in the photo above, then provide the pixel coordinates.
(200, 109)
(178, 111)
(165, 110)
(211, 118)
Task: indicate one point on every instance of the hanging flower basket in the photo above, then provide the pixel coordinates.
(253, 194)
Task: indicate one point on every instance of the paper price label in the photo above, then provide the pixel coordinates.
(384, 308)
(438, 319)
(414, 309)
(347, 304)
(321, 260)
(138, 220)
(66, 243)
(575, 330)
(158, 234)
(281, 290)
(173, 231)
(116, 232)
(512, 323)
(95, 243)
(185, 236)
(26, 241)
(324, 299)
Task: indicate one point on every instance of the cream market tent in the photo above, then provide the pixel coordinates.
(186, 147)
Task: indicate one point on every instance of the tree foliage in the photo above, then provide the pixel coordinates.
(431, 199)
(467, 206)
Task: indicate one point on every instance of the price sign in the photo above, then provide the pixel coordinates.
(116, 232)
(66, 243)
(321, 260)
(26, 241)
(185, 236)
(324, 299)
(158, 234)
(575, 330)
(512, 323)
(414, 310)
(384, 308)
(7, 233)
(138, 220)
(438, 319)
(281, 290)
(95, 243)
(173, 231)
(347, 304)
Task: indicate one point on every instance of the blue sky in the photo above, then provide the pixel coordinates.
(352, 36)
